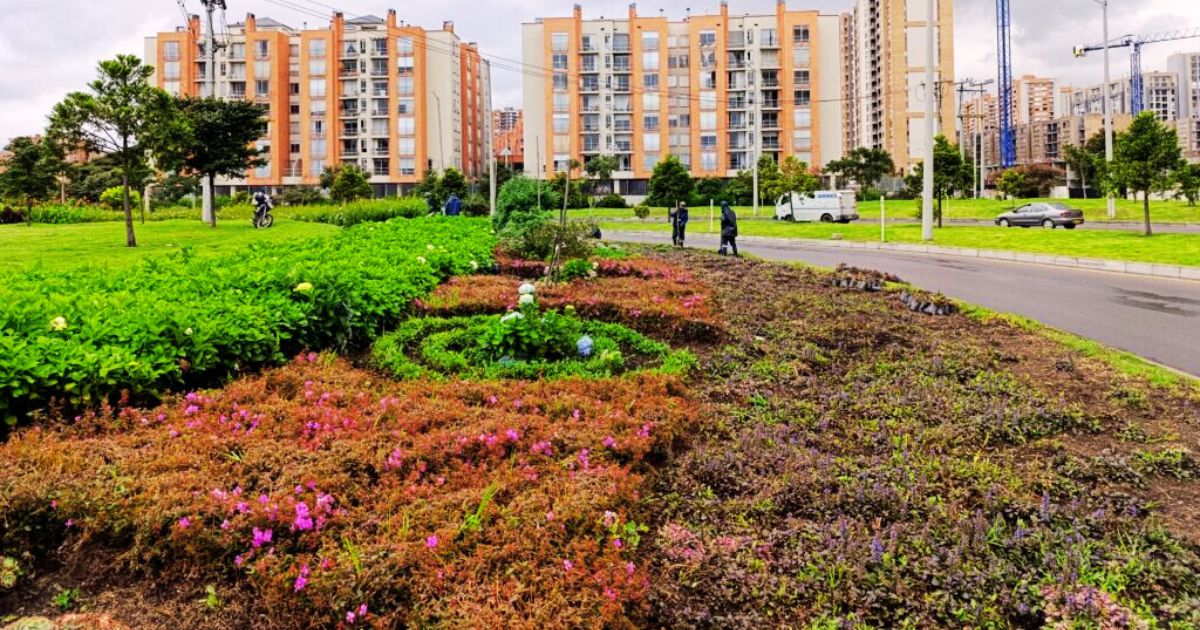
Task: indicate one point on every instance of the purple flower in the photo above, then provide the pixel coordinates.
(184, 522)
(431, 541)
(568, 565)
(610, 442)
(350, 617)
(362, 610)
(301, 579)
(513, 435)
(261, 537)
(876, 551)
(303, 521)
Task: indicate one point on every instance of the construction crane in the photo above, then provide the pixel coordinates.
(1004, 87)
(1135, 43)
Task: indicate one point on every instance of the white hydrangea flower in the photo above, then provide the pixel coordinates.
(513, 315)
(430, 247)
(525, 300)
(421, 259)
(188, 331)
(474, 266)
(58, 323)
(527, 289)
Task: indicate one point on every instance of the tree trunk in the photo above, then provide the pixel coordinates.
(1146, 211)
(939, 212)
(29, 212)
(130, 239)
(1083, 182)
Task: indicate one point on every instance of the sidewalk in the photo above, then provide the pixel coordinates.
(1177, 272)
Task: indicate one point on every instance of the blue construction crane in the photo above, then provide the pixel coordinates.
(1004, 87)
(1135, 43)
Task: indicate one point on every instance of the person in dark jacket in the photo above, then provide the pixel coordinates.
(729, 230)
(453, 206)
(679, 221)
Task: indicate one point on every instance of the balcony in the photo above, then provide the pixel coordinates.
(771, 104)
(350, 52)
(623, 146)
(620, 48)
(351, 112)
(621, 87)
(769, 41)
(350, 133)
(624, 127)
(589, 86)
(770, 145)
(379, 113)
(623, 68)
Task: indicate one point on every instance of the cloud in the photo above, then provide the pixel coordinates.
(50, 47)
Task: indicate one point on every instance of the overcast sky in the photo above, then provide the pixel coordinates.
(50, 47)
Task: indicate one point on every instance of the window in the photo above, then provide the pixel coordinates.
(799, 34)
(295, 148)
(318, 167)
(708, 161)
(171, 87)
(802, 97)
(171, 51)
(171, 71)
(802, 77)
(262, 89)
(559, 42)
(262, 69)
(316, 67)
(651, 160)
(650, 101)
(560, 61)
(708, 121)
(651, 142)
(406, 126)
(650, 40)
(318, 109)
(802, 140)
(560, 81)
(650, 123)
(408, 166)
(262, 49)
(237, 51)
(405, 86)
(406, 106)
(802, 117)
(620, 42)
(379, 88)
(801, 56)
(708, 39)
(405, 65)
(379, 126)
(406, 146)
(316, 48)
(404, 45)
(562, 102)
(562, 123)
(294, 89)
(708, 100)
(678, 61)
(316, 148)
(379, 47)
(293, 51)
(316, 88)
(650, 61)
(294, 109)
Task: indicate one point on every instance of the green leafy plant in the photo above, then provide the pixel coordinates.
(10, 570)
(66, 598)
(641, 212)
(211, 601)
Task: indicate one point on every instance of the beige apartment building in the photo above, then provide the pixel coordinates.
(714, 90)
(394, 99)
(885, 64)
(508, 136)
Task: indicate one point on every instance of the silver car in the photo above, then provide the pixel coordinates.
(1050, 215)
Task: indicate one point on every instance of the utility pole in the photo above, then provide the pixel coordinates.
(210, 91)
(930, 97)
(1108, 113)
(977, 87)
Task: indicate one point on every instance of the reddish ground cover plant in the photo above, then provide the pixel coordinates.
(666, 303)
(324, 496)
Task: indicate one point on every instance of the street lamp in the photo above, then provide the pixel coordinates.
(441, 138)
(1108, 114)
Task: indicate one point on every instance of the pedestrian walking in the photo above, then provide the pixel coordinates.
(679, 225)
(729, 230)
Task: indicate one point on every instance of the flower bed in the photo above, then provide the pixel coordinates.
(665, 307)
(78, 338)
(325, 496)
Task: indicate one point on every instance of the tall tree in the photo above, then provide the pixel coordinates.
(794, 177)
(350, 184)
(865, 167)
(949, 174)
(599, 169)
(1010, 183)
(1187, 177)
(221, 137)
(1082, 164)
(452, 182)
(1144, 159)
(768, 178)
(670, 183)
(30, 175)
(124, 116)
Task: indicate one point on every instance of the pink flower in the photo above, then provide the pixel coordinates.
(549, 516)
(617, 543)
(301, 579)
(303, 521)
(583, 459)
(491, 400)
(513, 435)
(350, 617)
(226, 525)
(610, 518)
(261, 537)
(184, 522)
(630, 568)
(575, 415)
(568, 565)
(394, 459)
(54, 504)
(191, 410)
(542, 448)
(242, 507)
(70, 523)
(610, 442)
(238, 560)
(431, 541)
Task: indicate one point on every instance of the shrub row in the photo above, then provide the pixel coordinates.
(316, 495)
(359, 211)
(80, 337)
(376, 210)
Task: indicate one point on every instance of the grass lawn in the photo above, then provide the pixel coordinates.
(62, 247)
(1174, 249)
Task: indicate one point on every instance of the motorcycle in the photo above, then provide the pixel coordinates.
(262, 214)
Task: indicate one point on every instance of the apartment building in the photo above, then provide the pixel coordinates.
(1186, 67)
(714, 90)
(508, 136)
(394, 99)
(1037, 99)
(1160, 94)
(885, 63)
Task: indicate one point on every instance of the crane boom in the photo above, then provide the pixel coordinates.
(1134, 43)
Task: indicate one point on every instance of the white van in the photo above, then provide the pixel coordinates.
(826, 206)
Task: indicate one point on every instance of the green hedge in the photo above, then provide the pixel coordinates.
(185, 321)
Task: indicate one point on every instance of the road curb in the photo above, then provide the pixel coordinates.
(1176, 272)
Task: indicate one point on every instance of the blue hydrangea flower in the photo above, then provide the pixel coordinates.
(585, 346)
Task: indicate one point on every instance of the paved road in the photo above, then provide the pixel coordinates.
(1156, 318)
(1109, 226)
